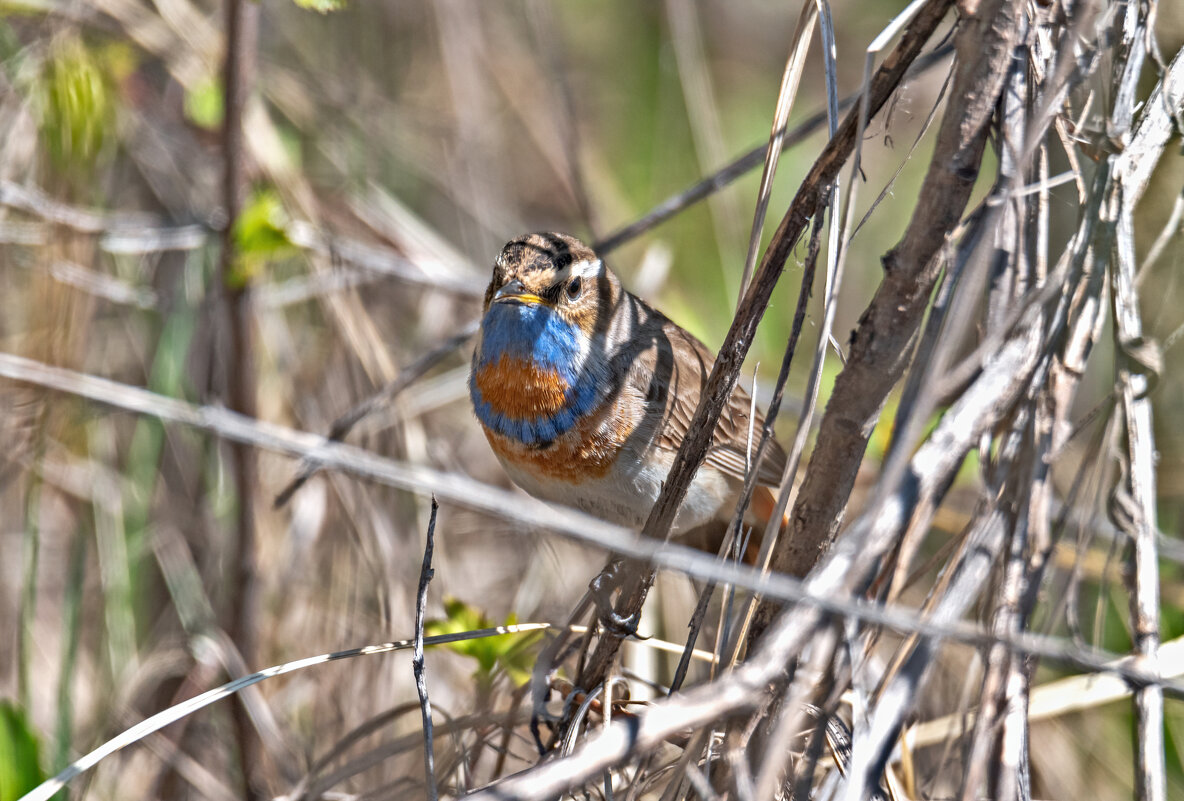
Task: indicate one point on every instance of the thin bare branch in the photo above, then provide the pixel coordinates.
(421, 684)
(406, 377)
(674, 204)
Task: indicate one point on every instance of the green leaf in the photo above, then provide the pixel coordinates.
(20, 760)
(204, 105)
(512, 653)
(260, 235)
(323, 6)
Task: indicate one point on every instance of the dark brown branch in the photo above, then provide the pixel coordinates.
(238, 359)
(881, 344)
(806, 203)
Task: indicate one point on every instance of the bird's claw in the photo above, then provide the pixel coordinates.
(602, 588)
(620, 626)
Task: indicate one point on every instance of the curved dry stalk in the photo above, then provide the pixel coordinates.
(790, 81)
(51, 787)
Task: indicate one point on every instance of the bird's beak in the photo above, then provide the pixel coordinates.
(515, 292)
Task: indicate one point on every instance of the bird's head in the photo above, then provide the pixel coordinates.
(540, 360)
(552, 274)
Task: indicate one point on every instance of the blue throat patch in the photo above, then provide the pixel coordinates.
(535, 334)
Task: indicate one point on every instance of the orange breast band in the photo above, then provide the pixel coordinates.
(575, 457)
(520, 390)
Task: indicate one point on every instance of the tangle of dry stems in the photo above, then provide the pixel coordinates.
(987, 318)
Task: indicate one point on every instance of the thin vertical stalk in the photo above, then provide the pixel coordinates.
(1150, 768)
(790, 80)
(238, 359)
(72, 607)
(426, 573)
(1137, 364)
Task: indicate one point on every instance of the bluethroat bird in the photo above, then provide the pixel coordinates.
(585, 393)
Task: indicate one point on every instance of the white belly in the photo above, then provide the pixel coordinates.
(628, 492)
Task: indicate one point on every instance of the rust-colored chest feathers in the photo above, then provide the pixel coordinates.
(586, 452)
(518, 388)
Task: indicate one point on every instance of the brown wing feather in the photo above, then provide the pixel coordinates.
(672, 369)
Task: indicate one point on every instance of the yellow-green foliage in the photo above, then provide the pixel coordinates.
(76, 106)
(512, 653)
(260, 235)
(204, 104)
(323, 6)
(20, 763)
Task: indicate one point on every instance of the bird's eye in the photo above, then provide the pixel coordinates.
(574, 287)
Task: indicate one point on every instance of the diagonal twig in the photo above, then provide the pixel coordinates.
(750, 160)
(406, 377)
(421, 685)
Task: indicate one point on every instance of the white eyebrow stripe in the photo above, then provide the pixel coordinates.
(587, 268)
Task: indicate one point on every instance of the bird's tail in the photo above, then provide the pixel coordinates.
(762, 506)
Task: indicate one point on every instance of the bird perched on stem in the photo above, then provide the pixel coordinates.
(585, 393)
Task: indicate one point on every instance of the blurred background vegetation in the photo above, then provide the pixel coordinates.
(391, 149)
